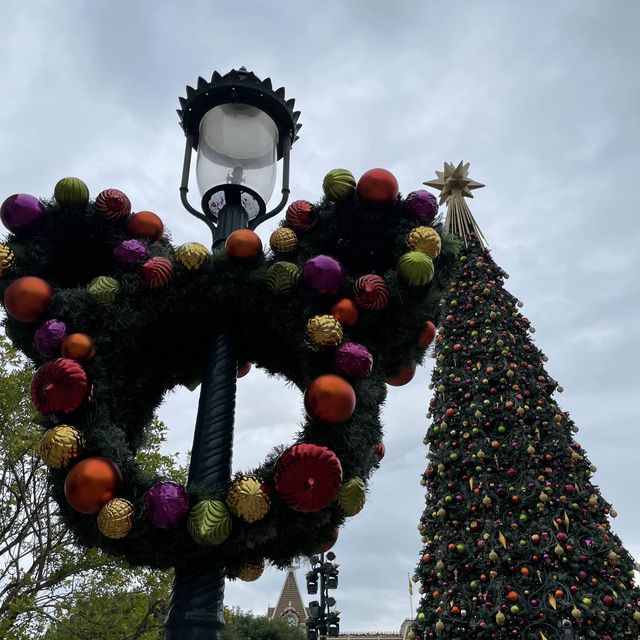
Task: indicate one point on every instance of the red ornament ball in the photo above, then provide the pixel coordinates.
(145, 224)
(59, 385)
(404, 377)
(378, 186)
(113, 204)
(330, 542)
(330, 398)
(427, 334)
(301, 216)
(307, 477)
(371, 292)
(78, 346)
(243, 370)
(157, 272)
(27, 298)
(379, 450)
(91, 484)
(243, 245)
(345, 312)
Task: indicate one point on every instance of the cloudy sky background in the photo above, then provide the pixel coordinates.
(543, 99)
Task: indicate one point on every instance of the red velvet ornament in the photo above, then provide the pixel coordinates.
(345, 312)
(371, 292)
(330, 398)
(427, 335)
(378, 186)
(27, 298)
(59, 385)
(307, 477)
(113, 204)
(404, 377)
(91, 484)
(243, 245)
(145, 224)
(301, 216)
(157, 272)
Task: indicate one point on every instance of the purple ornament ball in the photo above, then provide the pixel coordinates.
(421, 205)
(166, 504)
(352, 360)
(20, 211)
(131, 252)
(49, 337)
(323, 275)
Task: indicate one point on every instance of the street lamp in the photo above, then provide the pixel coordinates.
(240, 128)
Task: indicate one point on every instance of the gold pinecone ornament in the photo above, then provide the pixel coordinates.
(283, 240)
(60, 445)
(425, 239)
(6, 259)
(249, 499)
(251, 572)
(192, 255)
(324, 331)
(115, 519)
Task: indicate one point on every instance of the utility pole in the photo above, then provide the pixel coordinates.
(324, 621)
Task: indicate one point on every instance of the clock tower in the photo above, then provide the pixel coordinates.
(290, 605)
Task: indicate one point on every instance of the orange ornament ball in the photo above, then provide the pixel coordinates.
(330, 398)
(404, 377)
(346, 312)
(27, 298)
(427, 334)
(78, 346)
(512, 596)
(378, 186)
(145, 224)
(243, 245)
(91, 484)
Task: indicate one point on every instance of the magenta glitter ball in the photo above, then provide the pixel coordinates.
(20, 211)
(131, 252)
(166, 505)
(49, 337)
(421, 205)
(352, 360)
(323, 275)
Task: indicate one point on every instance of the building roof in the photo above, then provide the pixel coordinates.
(290, 599)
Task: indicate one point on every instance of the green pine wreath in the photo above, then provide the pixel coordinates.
(150, 322)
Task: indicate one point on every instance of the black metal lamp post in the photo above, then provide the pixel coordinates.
(323, 622)
(240, 128)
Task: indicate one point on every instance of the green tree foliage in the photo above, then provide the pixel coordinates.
(242, 625)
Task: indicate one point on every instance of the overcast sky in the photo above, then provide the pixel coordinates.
(543, 99)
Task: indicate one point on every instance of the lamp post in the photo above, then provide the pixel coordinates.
(240, 128)
(323, 622)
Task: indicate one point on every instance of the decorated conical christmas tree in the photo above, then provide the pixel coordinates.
(517, 538)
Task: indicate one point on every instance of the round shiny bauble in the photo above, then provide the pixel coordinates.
(192, 255)
(243, 370)
(91, 484)
(403, 377)
(371, 292)
(103, 290)
(307, 477)
(209, 522)
(323, 275)
(421, 205)
(415, 268)
(345, 312)
(301, 216)
(353, 361)
(78, 346)
(130, 252)
(71, 192)
(157, 272)
(330, 399)
(425, 239)
(379, 450)
(249, 499)
(145, 224)
(60, 445)
(378, 186)
(113, 204)
(49, 336)
(323, 331)
(166, 504)
(283, 240)
(338, 184)
(329, 543)
(427, 334)
(7, 259)
(351, 497)
(115, 519)
(21, 211)
(27, 298)
(251, 572)
(243, 245)
(59, 386)
(282, 277)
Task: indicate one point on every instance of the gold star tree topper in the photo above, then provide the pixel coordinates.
(455, 185)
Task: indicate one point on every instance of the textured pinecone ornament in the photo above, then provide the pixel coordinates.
(192, 255)
(425, 239)
(6, 259)
(115, 519)
(249, 499)
(283, 240)
(60, 445)
(324, 331)
(251, 572)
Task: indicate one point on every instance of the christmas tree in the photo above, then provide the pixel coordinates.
(517, 539)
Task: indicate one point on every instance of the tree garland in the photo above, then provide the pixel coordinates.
(114, 316)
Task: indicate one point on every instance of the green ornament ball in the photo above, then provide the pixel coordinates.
(71, 192)
(415, 268)
(338, 184)
(103, 290)
(282, 277)
(209, 522)
(351, 496)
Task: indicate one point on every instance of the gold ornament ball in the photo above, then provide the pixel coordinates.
(192, 255)
(60, 445)
(115, 519)
(283, 240)
(251, 572)
(425, 239)
(7, 258)
(324, 331)
(249, 499)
